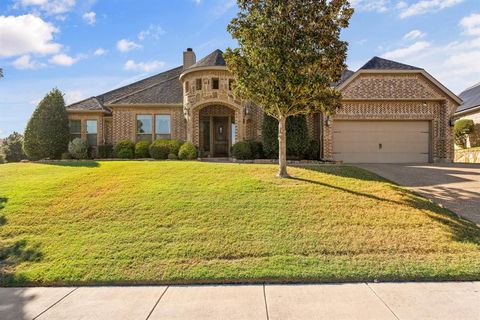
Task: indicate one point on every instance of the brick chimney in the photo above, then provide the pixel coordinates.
(189, 58)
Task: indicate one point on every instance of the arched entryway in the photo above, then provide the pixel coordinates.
(217, 131)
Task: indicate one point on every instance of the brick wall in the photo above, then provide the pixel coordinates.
(83, 117)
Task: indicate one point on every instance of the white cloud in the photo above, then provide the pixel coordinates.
(471, 24)
(63, 60)
(26, 34)
(416, 48)
(371, 5)
(414, 35)
(143, 66)
(25, 62)
(153, 31)
(100, 52)
(75, 95)
(427, 6)
(52, 7)
(90, 18)
(125, 45)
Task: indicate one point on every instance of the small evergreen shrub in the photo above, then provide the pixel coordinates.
(172, 156)
(160, 149)
(105, 151)
(175, 146)
(313, 151)
(141, 149)
(125, 149)
(78, 148)
(242, 150)
(270, 137)
(187, 151)
(66, 156)
(461, 130)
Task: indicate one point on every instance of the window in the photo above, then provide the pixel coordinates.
(231, 82)
(92, 132)
(162, 126)
(198, 84)
(233, 130)
(75, 129)
(187, 87)
(144, 127)
(215, 84)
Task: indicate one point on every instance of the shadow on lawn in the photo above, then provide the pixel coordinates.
(77, 164)
(13, 300)
(460, 229)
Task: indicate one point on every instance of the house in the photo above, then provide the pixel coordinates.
(470, 109)
(391, 112)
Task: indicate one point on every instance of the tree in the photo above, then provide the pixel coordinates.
(289, 54)
(463, 128)
(47, 133)
(1, 73)
(12, 147)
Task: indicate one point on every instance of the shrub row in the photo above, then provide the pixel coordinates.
(159, 149)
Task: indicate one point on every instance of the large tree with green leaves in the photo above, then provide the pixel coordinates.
(289, 54)
(47, 133)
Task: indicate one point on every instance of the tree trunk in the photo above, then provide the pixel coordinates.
(282, 147)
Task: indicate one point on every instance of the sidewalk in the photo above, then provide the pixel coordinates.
(449, 300)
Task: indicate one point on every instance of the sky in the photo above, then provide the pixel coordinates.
(87, 47)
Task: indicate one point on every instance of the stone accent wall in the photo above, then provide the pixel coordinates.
(83, 117)
(124, 121)
(397, 97)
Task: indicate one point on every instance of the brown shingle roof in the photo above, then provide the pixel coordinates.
(214, 59)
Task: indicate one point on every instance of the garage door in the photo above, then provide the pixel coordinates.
(381, 141)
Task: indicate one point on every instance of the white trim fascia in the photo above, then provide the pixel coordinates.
(467, 112)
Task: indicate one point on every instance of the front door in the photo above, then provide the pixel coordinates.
(220, 137)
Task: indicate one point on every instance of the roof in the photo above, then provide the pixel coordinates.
(377, 63)
(90, 104)
(471, 98)
(214, 59)
(165, 85)
(345, 75)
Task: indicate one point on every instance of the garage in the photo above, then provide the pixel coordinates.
(381, 141)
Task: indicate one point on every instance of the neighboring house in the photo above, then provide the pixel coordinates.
(470, 109)
(391, 113)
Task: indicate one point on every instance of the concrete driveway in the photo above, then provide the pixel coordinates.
(454, 186)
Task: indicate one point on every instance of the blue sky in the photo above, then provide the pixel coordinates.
(86, 47)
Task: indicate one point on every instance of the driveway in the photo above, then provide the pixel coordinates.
(454, 186)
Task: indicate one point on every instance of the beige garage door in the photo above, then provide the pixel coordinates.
(381, 141)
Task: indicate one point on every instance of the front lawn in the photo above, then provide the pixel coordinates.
(187, 222)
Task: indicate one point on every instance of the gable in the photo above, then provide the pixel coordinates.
(392, 86)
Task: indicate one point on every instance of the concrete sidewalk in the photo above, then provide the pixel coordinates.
(448, 300)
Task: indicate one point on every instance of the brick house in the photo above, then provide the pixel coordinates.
(391, 113)
(470, 109)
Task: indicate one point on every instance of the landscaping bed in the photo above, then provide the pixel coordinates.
(194, 222)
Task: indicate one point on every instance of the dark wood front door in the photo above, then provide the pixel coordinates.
(220, 136)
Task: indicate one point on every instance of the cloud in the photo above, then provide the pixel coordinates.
(26, 34)
(143, 66)
(90, 18)
(427, 6)
(52, 7)
(63, 60)
(414, 34)
(371, 5)
(471, 24)
(455, 63)
(413, 49)
(75, 95)
(25, 62)
(125, 45)
(154, 31)
(100, 52)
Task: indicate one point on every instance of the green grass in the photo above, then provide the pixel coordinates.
(191, 222)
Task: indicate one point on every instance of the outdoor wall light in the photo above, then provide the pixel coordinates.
(424, 104)
(329, 121)
(451, 122)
